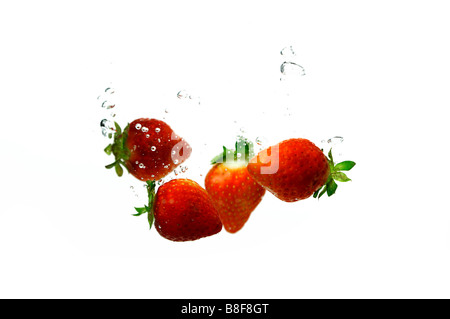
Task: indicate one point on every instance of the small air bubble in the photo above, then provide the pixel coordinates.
(141, 165)
(145, 129)
(153, 148)
(259, 141)
(157, 130)
(288, 51)
(335, 140)
(182, 94)
(108, 105)
(138, 126)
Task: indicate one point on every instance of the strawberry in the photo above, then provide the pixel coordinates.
(295, 169)
(148, 149)
(233, 191)
(181, 211)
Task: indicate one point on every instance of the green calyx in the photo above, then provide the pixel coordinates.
(151, 190)
(336, 174)
(119, 149)
(243, 152)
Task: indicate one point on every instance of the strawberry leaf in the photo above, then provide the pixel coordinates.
(119, 169)
(109, 166)
(331, 187)
(108, 149)
(340, 177)
(243, 152)
(316, 193)
(324, 189)
(335, 175)
(345, 166)
(221, 158)
(119, 149)
(141, 210)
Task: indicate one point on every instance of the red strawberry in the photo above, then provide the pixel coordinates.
(233, 191)
(148, 148)
(182, 211)
(295, 169)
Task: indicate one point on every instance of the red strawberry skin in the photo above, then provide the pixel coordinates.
(155, 150)
(234, 192)
(183, 211)
(302, 169)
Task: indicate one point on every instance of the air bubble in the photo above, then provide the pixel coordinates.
(335, 140)
(107, 128)
(157, 130)
(108, 105)
(153, 148)
(138, 126)
(288, 51)
(109, 90)
(292, 69)
(145, 129)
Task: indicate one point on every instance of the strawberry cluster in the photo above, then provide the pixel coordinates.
(181, 210)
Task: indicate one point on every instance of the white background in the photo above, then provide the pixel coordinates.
(377, 74)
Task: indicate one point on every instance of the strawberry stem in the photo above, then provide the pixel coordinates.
(335, 175)
(151, 186)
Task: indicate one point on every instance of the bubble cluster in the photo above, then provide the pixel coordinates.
(107, 128)
(290, 69)
(106, 100)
